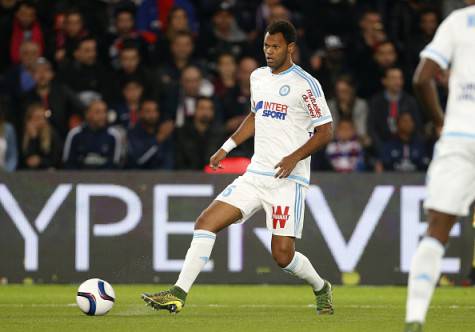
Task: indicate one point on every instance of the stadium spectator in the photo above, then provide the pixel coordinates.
(277, 11)
(386, 106)
(7, 12)
(69, 34)
(8, 144)
(333, 17)
(362, 48)
(236, 105)
(85, 75)
(199, 139)
(177, 23)
(93, 145)
(144, 150)
(327, 65)
(402, 18)
(155, 15)
(226, 78)
(428, 22)
(347, 105)
(41, 146)
(19, 78)
(181, 51)
(127, 112)
(131, 68)
(24, 27)
(63, 108)
(345, 153)
(182, 103)
(153, 41)
(124, 24)
(405, 152)
(369, 77)
(370, 34)
(223, 35)
(263, 13)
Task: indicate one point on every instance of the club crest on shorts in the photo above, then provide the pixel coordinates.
(279, 217)
(284, 90)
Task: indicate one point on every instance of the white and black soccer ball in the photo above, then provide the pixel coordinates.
(95, 297)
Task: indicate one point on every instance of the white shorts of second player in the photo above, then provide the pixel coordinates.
(451, 176)
(283, 201)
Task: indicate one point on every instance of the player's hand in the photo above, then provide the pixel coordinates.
(215, 160)
(286, 166)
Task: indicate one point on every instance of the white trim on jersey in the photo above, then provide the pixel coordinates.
(69, 139)
(118, 144)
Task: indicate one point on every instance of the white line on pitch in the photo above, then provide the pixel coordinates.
(214, 305)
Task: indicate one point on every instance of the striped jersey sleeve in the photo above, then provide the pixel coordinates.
(313, 99)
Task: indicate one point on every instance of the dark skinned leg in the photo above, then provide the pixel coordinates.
(283, 249)
(217, 216)
(440, 225)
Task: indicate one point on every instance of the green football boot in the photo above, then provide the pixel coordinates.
(172, 300)
(413, 327)
(324, 300)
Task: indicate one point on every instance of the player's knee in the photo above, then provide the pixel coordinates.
(204, 223)
(282, 255)
(440, 225)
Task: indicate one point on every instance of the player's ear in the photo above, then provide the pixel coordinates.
(291, 47)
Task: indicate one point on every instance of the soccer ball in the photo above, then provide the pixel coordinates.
(95, 297)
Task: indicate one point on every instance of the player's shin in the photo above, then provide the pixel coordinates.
(196, 257)
(301, 267)
(424, 274)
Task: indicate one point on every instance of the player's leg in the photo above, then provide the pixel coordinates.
(425, 268)
(236, 202)
(284, 210)
(297, 264)
(217, 216)
(450, 191)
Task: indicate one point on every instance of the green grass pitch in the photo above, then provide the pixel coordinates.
(233, 308)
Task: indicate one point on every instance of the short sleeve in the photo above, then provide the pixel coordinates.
(313, 100)
(441, 48)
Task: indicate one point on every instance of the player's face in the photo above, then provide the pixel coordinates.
(276, 50)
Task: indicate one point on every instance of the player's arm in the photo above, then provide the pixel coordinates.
(244, 132)
(322, 136)
(426, 92)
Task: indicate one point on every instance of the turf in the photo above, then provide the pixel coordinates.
(232, 308)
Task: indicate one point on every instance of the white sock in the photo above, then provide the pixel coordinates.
(301, 267)
(424, 274)
(196, 258)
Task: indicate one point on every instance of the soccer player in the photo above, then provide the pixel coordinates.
(290, 120)
(451, 175)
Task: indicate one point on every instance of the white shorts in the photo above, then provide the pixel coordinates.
(451, 177)
(283, 201)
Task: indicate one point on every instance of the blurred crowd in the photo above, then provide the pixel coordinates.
(161, 84)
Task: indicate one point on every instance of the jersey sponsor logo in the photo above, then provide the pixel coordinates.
(284, 90)
(272, 110)
(279, 217)
(467, 92)
(311, 102)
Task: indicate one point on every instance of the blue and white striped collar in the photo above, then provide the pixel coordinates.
(288, 70)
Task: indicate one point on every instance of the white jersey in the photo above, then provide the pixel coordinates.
(287, 106)
(454, 43)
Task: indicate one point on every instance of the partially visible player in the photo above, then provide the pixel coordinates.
(290, 120)
(451, 175)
